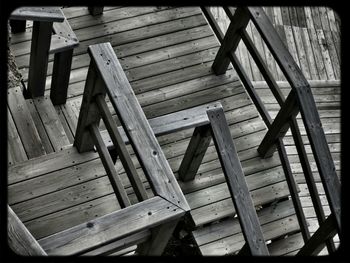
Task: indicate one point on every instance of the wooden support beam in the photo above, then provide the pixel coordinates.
(108, 164)
(230, 42)
(95, 10)
(195, 152)
(159, 239)
(234, 175)
(20, 240)
(316, 243)
(136, 126)
(123, 153)
(60, 76)
(39, 56)
(112, 227)
(279, 127)
(88, 111)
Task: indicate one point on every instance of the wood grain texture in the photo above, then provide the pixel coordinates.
(136, 125)
(113, 226)
(45, 14)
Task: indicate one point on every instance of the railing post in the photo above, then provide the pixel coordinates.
(231, 40)
(95, 10)
(279, 127)
(195, 152)
(60, 76)
(88, 111)
(41, 38)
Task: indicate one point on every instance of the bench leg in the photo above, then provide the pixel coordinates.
(95, 10)
(39, 55)
(159, 239)
(195, 152)
(60, 76)
(18, 26)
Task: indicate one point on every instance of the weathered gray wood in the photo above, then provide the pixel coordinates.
(195, 152)
(39, 56)
(88, 111)
(121, 149)
(279, 127)
(239, 20)
(237, 185)
(109, 166)
(60, 77)
(136, 125)
(45, 14)
(159, 239)
(317, 241)
(20, 240)
(95, 10)
(120, 244)
(114, 226)
(24, 123)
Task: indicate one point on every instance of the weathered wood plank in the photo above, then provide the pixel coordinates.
(195, 152)
(20, 240)
(301, 53)
(235, 178)
(320, 66)
(51, 122)
(136, 125)
(325, 54)
(114, 226)
(45, 14)
(309, 54)
(121, 149)
(24, 123)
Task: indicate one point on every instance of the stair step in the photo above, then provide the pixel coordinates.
(24, 123)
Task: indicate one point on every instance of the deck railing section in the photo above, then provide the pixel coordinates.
(300, 100)
(44, 43)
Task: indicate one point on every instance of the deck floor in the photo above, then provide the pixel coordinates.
(167, 55)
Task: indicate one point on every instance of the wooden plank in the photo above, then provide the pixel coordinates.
(119, 245)
(332, 54)
(64, 122)
(308, 17)
(230, 41)
(51, 122)
(133, 119)
(40, 127)
(301, 52)
(325, 54)
(293, 16)
(24, 123)
(287, 245)
(235, 178)
(291, 44)
(195, 152)
(317, 54)
(301, 16)
(324, 18)
(45, 14)
(316, 18)
(106, 159)
(15, 148)
(114, 226)
(255, 71)
(121, 149)
(20, 240)
(309, 54)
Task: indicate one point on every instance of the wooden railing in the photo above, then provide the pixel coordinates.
(300, 100)
(44, 43)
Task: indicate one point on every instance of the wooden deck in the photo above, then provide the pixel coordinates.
(167, 55)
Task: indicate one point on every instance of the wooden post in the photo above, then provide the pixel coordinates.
(95, 10)
(18, 26)
(20, 240)
(195, 152)
(121, 149)
(279, 127)
(159, 239)
(230, 42)
(316, 243)
(88, 111)
(39, 55)
(60, 76)
(237, 185)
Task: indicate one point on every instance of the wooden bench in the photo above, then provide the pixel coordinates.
(62, 43)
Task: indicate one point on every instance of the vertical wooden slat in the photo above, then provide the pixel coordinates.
(195, 152)
(109, 166)
(121, 149)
